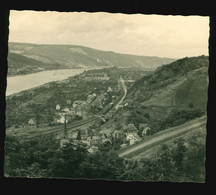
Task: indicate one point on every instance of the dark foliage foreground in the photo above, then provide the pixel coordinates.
(183, 160)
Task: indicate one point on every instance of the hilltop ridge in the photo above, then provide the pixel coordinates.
(74, 56)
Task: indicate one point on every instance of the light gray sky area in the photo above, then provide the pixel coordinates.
(147, 35)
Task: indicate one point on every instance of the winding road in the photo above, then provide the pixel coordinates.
(121, 80)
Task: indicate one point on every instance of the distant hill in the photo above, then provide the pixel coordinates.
(73, 56)
(19, 64)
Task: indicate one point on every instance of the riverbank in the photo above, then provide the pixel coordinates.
(19, 83)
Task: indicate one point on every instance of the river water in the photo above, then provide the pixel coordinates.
(19, 83)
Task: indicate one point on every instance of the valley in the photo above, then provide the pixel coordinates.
(126, 114)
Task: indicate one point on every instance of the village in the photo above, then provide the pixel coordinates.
(116, 139)
(94, 134)
(100, 102)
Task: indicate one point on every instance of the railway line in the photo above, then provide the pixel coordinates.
(161, 137)
(48, 131)
(54, 130)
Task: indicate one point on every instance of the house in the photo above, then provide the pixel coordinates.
(65, 109)
(64, 142)
(95, 137)
(69, 102)
(123, 145)
(93, 132)
(131, 128)
(92, 149)
(126, 104)
(94, 143)
(133, 138)
(62, 120)
(130, 81)
(106, 132)
(58, 107)
(104, 140)
(109, 89)
(98, 100)
(87, 142)
(78, 103)
(79, 110)
(117, 134)
(96, 76)
(31, 122)
(90, 98)
(79, 113)
(73, 135)
(72, 112)
(131, 134)
(109, 114)
(84, 134)
(144, 132)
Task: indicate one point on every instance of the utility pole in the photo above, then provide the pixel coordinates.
(65, 128)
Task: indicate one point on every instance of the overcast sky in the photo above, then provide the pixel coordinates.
(148, 35)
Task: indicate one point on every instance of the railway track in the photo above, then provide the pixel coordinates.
(48, 131)
(162, 137)
(55, 130)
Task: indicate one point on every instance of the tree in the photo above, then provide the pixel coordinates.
(66, 161)
(179, 154)
(37, 119)
(104, 165)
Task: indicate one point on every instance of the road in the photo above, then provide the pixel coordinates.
(121, 80)
(162, 137)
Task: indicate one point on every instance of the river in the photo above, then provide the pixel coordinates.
(19, 83)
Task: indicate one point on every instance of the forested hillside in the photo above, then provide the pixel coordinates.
(175, 93)
(73, 56)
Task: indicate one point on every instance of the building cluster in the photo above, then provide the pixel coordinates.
(82, 108)
(94, 138)
(71, 110)
(95, 76)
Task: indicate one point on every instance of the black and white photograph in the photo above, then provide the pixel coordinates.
(107, 96)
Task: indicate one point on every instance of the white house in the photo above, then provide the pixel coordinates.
(65, 110)
(78, 103)
(126, 104)
(61, 120)
(31, 122)
(58, 107)
(132, 138)
(109, 89)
